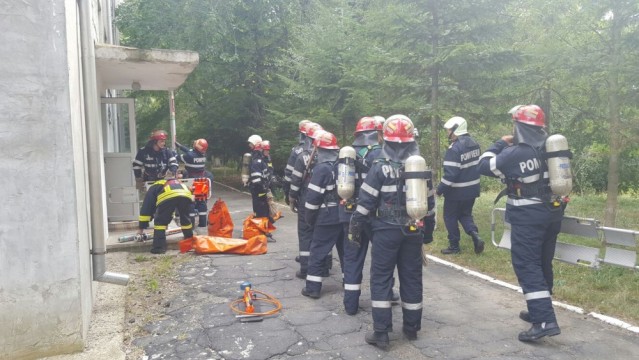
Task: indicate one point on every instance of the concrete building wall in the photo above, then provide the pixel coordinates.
(45, 287)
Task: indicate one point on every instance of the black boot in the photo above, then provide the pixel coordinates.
(478, 242)
(524, 315)
(300, 274)
(409, 333)
(537, 331)
(297, 259)
(451, 250)
(378, 338)
(311, 294)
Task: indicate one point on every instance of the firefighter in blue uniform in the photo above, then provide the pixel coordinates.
(295, 151)
(300, 177)
(534, 214)
(160, 201)
(367, 147)
(195, 165)
(154, 160)
(460, 185)
(382, 201)
(258, 183)
(321, 212)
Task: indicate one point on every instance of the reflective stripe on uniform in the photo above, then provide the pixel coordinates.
(458, 185)
(369, 189)
(537, 295)
(305, 253)
(523, 202)
(408, 306)
(381, 304)
(362, 210)
(352, 287)
(314, 278)
(311, 206)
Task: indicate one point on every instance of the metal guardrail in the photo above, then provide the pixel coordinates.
(619, 246)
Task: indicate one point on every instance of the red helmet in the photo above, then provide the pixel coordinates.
(366, 123)
(312, 129)
(159, 135)
(529, 114)
(325, 140)
(379, 121)
(399, 128)
(201, 145)
(303, 125)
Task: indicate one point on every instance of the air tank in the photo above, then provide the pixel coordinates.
(559, 171)
(416, 187)
(346, 173)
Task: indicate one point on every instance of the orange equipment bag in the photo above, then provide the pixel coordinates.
(256, 226)
(201, 189)
(214, 245)
(220, 222)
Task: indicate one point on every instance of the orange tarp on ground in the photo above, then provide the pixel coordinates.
(215, 244)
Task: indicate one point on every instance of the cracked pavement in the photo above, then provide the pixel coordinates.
(464, 317)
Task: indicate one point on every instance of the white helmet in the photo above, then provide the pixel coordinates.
(254, 139)
(457, 124)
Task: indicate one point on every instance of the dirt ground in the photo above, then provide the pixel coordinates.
(152, 286)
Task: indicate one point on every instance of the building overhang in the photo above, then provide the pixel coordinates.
(121, 67)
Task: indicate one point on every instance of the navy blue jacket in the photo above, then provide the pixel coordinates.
(259, 176)
(159, 192)
(298, 182)
(461, 178)
(522, 165)
(194, 161)
(151, 165)
(379, 193)
(321, 195)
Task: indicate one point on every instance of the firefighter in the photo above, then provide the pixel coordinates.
(295, 151)
(368, 136)
(382, 201)
(534, 216)
(300, 177)
(321, 212)
(258, 183)
(194, 160)
(160, 201)
(154, 160)
(460, 185)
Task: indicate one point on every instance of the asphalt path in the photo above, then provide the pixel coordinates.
(464, 317)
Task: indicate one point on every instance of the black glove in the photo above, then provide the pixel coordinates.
(427, 229)
(355, 233)
(292, 203)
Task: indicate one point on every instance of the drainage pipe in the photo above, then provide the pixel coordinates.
(93, 125)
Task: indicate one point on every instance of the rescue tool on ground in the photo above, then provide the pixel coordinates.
(145, 236)
(249, 302)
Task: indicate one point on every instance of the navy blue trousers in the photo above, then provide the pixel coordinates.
(532, 251)
(324, 238)
(164, 215)
(393, 249)
(354, 258)
(458, 211)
